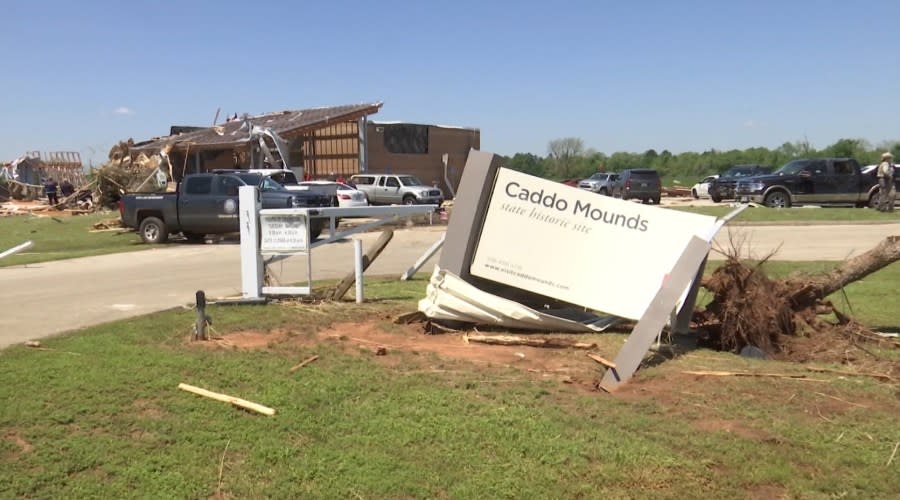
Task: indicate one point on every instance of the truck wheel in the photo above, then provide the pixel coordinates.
(153, 231)
(409, 200)
(315, 229)
(694, 194)
(777, 199)
(715, 197)
(195, 237)
(657, 200)
(604, 192)
(873, 199)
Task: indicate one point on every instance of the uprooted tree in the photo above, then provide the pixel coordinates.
(750, 309)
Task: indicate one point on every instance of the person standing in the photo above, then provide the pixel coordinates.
(886, 190)
(50, 187)
(66, 188)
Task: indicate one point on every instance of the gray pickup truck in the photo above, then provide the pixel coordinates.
(600, 182)
(388, 189)
(208, 204)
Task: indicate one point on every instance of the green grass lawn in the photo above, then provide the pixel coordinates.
(62, 237)
(98, 414)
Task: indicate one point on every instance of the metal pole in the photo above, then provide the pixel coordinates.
(424, 258)
(15, 249)
(358, 261)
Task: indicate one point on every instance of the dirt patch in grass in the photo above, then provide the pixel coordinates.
(15, 438)
(148, 409)
(385, 340)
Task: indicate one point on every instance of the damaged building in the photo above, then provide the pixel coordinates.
(24, 177)
(318, 143)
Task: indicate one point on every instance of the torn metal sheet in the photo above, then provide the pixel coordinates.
(448, 297)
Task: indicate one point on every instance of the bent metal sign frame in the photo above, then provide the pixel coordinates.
(598, 252)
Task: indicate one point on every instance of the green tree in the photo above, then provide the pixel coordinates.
(527, 163)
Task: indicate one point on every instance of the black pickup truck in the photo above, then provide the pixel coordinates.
(722, 188)
(820, 181)
(208, 204)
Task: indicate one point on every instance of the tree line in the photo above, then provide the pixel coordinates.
(567, 158)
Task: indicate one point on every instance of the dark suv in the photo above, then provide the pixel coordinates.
(723, 187)
(638, 183)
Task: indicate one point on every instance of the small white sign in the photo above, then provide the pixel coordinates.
(283, 233)
(602, 253)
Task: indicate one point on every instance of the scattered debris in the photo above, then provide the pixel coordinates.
(381, 351)
(32, 343)
(243, 403)
(527, 341)
(303, 363)
(892, 454)
(108, 225)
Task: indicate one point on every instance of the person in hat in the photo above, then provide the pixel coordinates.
(887, 193)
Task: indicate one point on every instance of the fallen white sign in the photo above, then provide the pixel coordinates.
(598, 252)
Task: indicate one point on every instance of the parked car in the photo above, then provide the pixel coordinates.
(389, 189)
(701, 189)
(345, 196)
(723, 187)
(600, 182)
(820, 181)
(208, 204)
(638, 183)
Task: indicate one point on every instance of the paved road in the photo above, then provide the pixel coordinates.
(38, 300)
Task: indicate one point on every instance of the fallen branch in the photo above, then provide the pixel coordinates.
(530, 341)
(892, 454)
(243, 403)
(839, 399)
(748, 374)
(879, 376)
(603, 361)
(304, 363)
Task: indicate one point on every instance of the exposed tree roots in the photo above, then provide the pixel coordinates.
(784, 318)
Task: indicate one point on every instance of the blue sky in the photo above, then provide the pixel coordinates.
(623, 76)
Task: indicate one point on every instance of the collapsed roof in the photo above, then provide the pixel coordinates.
(236, 133)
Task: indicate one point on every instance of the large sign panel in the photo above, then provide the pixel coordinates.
(283, 233)
(602, 253)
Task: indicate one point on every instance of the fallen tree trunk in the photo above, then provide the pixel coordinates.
(810, 291)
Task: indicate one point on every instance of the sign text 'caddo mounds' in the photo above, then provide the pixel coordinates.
(595, 251)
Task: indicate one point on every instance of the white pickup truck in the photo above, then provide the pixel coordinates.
(390, 189)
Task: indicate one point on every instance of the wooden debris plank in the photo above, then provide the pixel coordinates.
(603, 361)
(243, 403)
(530, 341)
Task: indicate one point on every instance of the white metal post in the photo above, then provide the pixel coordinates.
(358, 261)
(251, 259)
(15, 249)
